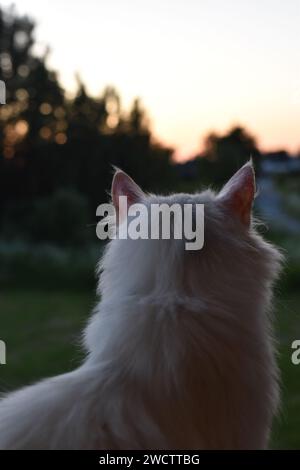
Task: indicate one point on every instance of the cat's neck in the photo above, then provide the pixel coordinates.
(134, 327)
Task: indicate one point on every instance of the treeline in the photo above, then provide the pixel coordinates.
(56, 154)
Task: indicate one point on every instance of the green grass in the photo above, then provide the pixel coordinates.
(42, 332)
(286, 433)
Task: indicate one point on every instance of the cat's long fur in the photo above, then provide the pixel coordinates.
(180, 350)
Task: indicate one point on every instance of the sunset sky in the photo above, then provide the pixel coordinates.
(197, 65)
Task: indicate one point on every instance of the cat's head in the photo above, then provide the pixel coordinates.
(235, 199)
(230, 253)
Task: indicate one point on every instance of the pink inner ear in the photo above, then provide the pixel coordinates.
(238, 193)
(123, 185)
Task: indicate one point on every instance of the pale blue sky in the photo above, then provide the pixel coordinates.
(196, 64)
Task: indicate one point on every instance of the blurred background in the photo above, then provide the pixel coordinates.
(179, 95)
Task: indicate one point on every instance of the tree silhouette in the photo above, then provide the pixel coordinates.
(224, 154)
(48, 142)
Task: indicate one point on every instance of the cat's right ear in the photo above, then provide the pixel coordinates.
(238, 194)
(124, 186)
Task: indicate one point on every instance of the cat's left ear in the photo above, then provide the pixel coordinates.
(123, 185)
(238, 193)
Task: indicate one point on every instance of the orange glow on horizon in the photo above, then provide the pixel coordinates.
(196, 69)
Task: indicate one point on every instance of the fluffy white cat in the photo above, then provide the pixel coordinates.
(180, 353)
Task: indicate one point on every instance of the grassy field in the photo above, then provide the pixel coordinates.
(41, 330)
(42, 333)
